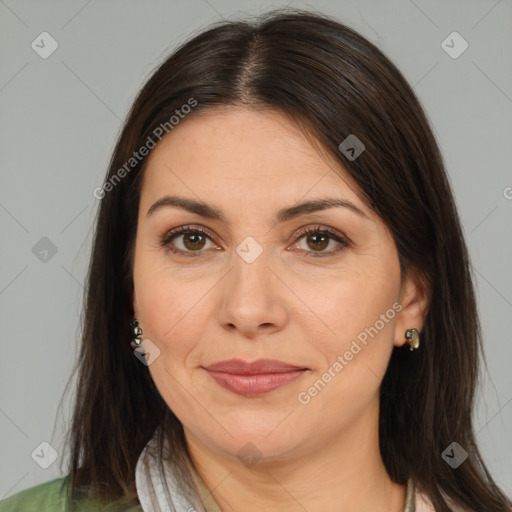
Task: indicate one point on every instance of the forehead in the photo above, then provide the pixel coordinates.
(228, 150)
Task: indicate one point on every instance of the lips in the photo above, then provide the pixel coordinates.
(239, 367)
(254, 378)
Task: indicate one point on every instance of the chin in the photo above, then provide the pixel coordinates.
(259, 444)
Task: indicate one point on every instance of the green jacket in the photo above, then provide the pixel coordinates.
(51, 497)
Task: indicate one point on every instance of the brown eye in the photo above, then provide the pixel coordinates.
(186, 241)
(318, 239)
(193, 241)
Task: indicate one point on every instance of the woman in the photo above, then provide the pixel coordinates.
(278, 245)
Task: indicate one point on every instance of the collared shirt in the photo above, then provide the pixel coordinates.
(155, 492)
(160, 493)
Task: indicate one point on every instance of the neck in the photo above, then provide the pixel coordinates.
(344, 474)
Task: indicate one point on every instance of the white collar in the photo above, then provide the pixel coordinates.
(158, 492)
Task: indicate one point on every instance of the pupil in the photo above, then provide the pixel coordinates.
(193, 239)
(322, 242)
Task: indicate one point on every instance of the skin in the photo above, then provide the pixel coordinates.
(306, 311)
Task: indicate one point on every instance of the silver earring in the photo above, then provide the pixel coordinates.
(413, 338)
(136, 332)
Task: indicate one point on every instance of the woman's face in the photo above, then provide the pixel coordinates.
(254, 284)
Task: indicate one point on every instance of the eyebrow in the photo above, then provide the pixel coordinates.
(206, 210)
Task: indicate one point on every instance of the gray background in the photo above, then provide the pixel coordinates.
(59, 118)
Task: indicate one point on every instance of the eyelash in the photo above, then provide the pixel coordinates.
(317, 230)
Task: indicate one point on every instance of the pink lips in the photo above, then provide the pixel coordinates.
(253, 378)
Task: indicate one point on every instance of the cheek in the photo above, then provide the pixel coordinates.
(346, 302)
(174, 316)
(351, 335)
(164, 306)
(353, 361)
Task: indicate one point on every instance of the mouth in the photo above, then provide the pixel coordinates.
(255, 378)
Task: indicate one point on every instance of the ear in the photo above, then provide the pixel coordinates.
(415, 300)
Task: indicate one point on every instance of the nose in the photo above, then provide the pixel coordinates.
(254, 298)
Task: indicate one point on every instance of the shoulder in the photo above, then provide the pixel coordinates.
(48, 496)
(51, 497)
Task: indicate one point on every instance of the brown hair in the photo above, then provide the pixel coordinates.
(333, 83)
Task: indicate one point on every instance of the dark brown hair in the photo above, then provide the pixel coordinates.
(333, 83)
